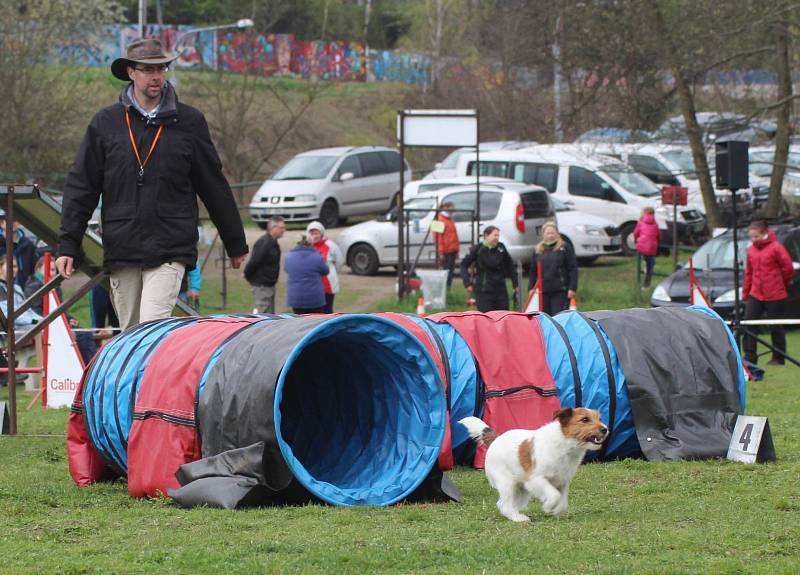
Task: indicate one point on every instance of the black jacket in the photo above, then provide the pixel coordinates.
(559, 270)
(24, 252)
(264, 263)
(492, 267)
(156, 222)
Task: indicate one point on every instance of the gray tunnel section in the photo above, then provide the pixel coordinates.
(348, 409)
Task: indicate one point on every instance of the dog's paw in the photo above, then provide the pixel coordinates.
(550, 504)
(519, 518)
(561, 509)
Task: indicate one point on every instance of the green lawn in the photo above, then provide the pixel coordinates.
(626, 517)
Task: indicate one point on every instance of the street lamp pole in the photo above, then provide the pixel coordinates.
(240, 24)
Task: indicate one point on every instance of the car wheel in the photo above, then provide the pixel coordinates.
(262, 225)
(363, 260)
(628, 241)
(329, 213)
(587, 261)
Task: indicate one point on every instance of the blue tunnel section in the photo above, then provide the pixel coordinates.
(112, 384)
(603, 385)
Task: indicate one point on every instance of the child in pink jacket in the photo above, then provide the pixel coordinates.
(648, 238)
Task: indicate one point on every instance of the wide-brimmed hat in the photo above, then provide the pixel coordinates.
(141, 51)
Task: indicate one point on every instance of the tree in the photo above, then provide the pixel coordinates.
(38, 123)
(250, 117)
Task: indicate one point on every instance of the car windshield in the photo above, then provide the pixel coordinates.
(717, 253)
(306, 168)
(761, 162)
(452, 159)
(418, 208)
(633, 182)
(682, 159)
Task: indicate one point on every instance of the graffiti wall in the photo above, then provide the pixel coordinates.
(264, 54)
(386, 66)
(340, 61)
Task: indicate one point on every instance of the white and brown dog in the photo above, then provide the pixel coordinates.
(524, 463)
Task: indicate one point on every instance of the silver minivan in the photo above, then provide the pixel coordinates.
(518, 209)
(330, 184)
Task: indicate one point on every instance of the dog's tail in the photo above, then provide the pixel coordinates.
(478, 430)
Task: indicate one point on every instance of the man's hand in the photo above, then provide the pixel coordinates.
(65, 266)
(237, 261)
(571, 294)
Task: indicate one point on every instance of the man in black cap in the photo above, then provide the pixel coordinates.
(148, 156)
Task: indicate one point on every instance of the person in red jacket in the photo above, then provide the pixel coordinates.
(648, 238)
(767, 272)
(447, 243)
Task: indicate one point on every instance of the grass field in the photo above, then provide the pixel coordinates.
(626, 517)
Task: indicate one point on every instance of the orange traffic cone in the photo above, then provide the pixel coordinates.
(573, 304)
(421, 307)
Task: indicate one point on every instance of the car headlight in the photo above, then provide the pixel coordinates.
(305, 198)
(660, 293)
(728, 296)
(590, 230)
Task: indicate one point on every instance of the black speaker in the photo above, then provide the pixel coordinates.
(733, 165)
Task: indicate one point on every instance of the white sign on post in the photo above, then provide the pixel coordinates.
(751, 441)
(438, 128)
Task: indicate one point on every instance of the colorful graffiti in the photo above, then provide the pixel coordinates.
(340, 61)
(386, 66)
(265, 54)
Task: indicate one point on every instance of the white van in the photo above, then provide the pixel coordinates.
(672, 165)
(330, 184)
(598, 185)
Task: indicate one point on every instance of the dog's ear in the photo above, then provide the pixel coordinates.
(563, 415)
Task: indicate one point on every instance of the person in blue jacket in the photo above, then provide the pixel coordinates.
(191, 285)
(304, 268)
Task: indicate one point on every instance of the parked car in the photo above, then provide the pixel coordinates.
(612, 135)
(413, 189)
(673, 165)
(717, 127)
(590, 236)
(330, 184)
(595, 184)
(713, 268)
(447, 167)
(519, 210)
(762, 161)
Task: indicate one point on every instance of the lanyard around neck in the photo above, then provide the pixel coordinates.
(135, 149)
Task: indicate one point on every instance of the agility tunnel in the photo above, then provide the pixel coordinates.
(668, 382)
(363, 409)
(349, 410)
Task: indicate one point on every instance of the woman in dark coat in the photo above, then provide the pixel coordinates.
(559, 270)
(492, 265)
(304, 270)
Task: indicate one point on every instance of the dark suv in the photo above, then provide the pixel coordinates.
(713, 268)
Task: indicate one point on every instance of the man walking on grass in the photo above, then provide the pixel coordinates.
(264, 265)
(148, 156)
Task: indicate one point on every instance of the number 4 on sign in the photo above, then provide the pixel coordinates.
(751, 441)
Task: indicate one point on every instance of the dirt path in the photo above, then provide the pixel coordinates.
(357, 293)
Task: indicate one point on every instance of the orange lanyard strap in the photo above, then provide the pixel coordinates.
(133, 144)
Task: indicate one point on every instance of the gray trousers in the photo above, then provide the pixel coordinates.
(264, 298)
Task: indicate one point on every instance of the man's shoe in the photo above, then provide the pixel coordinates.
(774, 361)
